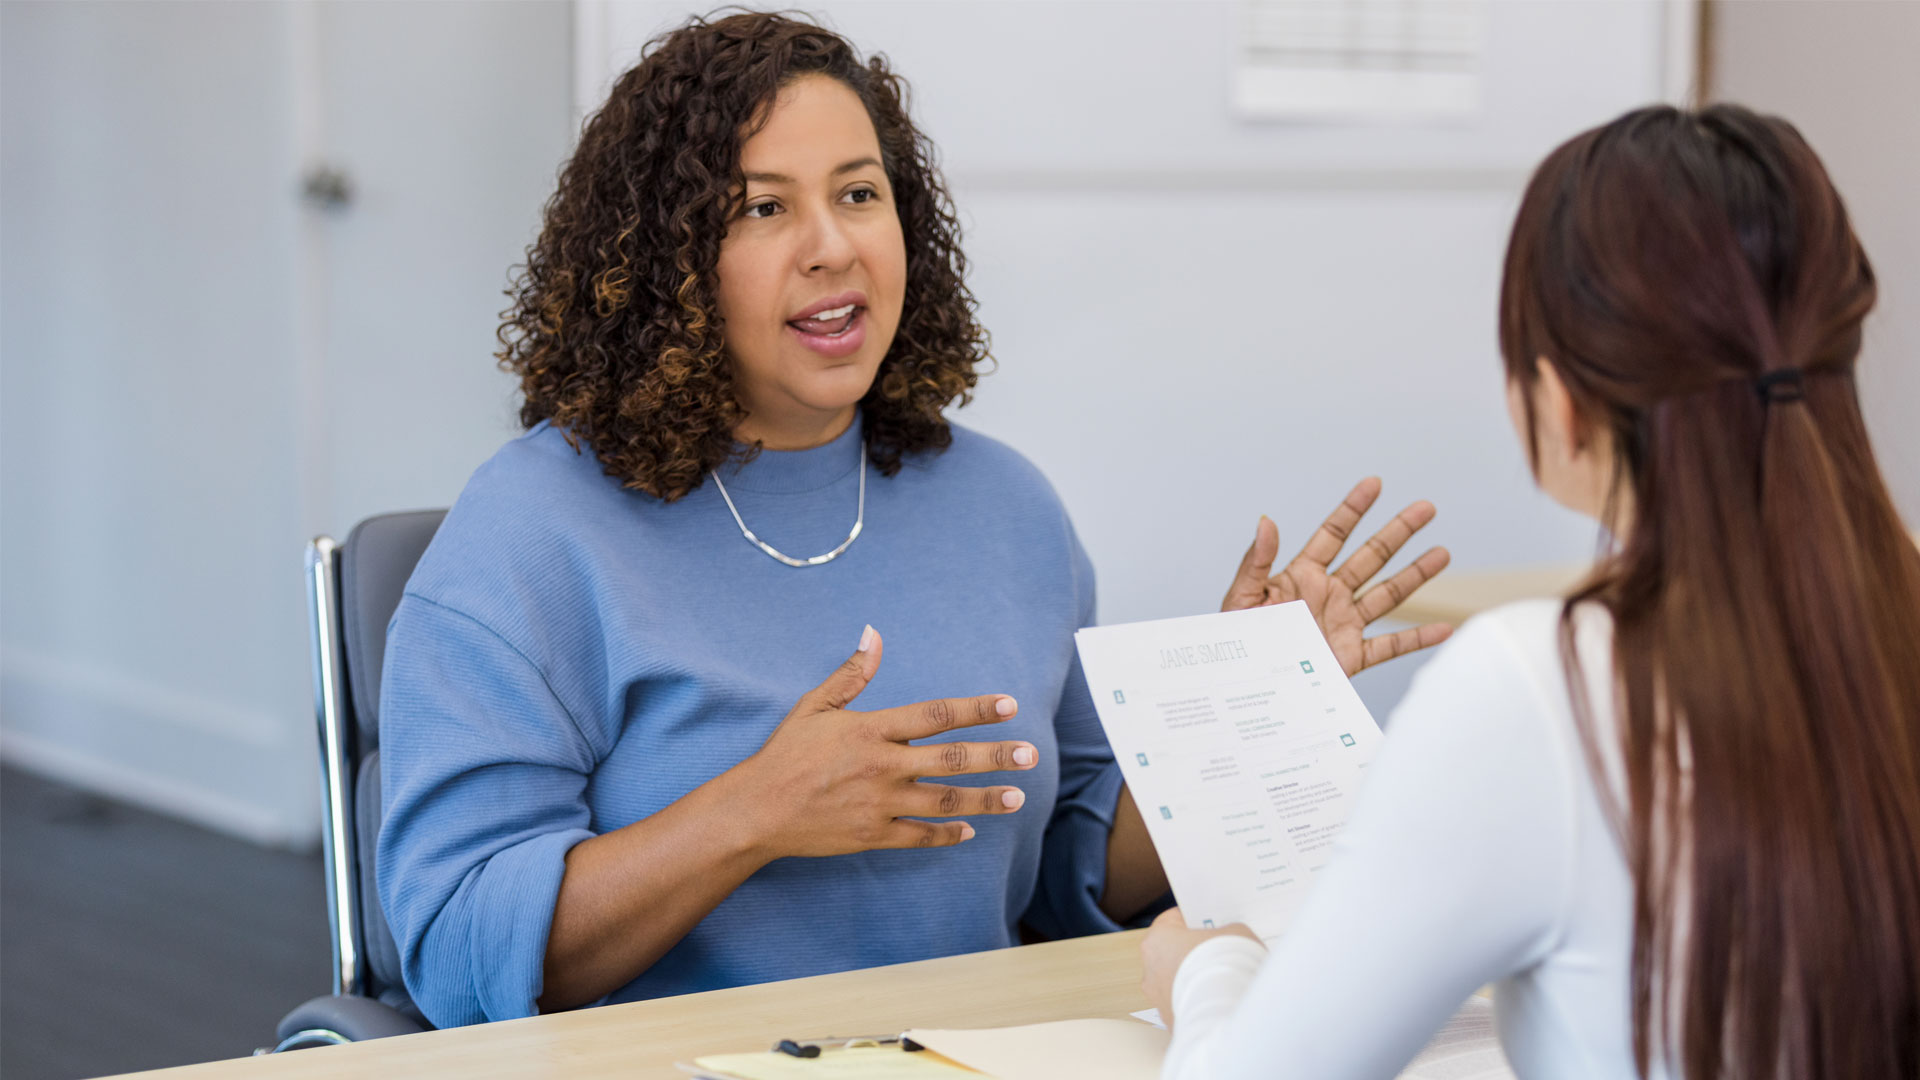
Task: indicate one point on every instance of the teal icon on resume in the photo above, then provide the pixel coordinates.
(1346, 740)
(1167, 813)
(1306, 666)
(1119, 698)
(1143, 759)
(1208, 923)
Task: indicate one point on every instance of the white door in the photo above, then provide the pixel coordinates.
(202, 369)
(448, 124)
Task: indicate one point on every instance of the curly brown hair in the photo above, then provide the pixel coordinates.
(614, 329)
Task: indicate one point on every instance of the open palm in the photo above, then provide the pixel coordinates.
(1335, 597)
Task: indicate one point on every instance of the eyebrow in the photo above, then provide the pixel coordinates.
(782, 178)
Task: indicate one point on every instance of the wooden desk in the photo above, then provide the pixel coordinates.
(1458, 595)
(1061, 980)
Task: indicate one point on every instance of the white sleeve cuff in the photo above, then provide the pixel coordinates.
(1215, 973)
(1208, 985)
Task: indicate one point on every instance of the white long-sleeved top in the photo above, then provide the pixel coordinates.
(1478, 852)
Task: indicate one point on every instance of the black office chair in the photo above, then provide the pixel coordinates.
(352, 589)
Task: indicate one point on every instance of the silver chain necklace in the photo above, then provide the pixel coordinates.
(859, 519)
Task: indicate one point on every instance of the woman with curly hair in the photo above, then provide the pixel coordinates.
(608, 771)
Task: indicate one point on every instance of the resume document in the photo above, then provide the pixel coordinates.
(1243, 744)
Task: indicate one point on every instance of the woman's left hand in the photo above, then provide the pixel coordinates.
(1167, 943)
(1334, 596)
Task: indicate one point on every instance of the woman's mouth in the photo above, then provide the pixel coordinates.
(833, 333)
(831, 323)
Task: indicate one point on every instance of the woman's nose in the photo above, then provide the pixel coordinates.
(828, 245)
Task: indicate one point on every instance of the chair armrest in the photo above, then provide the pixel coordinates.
(353, 1018)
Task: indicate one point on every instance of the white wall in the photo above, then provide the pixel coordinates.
(1197, 319)
(1844, 74)
(1200, 319)
(197, 374)
(454, 120)
(151, 492)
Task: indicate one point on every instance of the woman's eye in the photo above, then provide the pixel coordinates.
(863, 195)
(762, 210)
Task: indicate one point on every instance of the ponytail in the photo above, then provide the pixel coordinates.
(1694, 281)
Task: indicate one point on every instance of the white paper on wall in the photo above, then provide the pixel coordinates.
(1360, 59)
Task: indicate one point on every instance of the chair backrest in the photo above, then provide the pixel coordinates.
(353, 589)
(375, 563)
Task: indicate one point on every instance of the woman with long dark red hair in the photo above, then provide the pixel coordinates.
(1676, 817)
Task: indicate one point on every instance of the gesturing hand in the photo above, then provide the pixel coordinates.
(830, 781)
(1334, 596)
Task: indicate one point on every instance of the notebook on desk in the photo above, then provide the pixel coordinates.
(840, 1063)
(1465, 1049)
(1109, 1049)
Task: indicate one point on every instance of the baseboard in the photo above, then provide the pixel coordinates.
(152, 791)
(233, 768)
(111, 688)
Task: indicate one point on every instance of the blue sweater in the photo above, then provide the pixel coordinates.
(572, 656)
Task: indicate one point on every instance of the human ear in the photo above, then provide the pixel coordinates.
(1560, 429)
(1577, 465)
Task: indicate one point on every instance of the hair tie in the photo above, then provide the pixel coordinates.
(1786, 384)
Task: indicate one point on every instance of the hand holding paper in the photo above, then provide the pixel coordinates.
(1167, 943)
(1333, 596)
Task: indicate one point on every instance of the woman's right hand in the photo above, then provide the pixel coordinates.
(830, 781)
(827, 782)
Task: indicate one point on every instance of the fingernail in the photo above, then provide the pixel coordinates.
(1012, 798)
(1006, 706)
(866, 639)
(966, 831)
(1024, 755)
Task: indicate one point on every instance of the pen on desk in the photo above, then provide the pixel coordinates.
(810, 1048)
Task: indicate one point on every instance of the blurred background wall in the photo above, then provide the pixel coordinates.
(1198, 318)
(1201, 318)
(202, 368)
(1844, 73)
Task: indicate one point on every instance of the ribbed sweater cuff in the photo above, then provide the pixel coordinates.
(514, 900)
